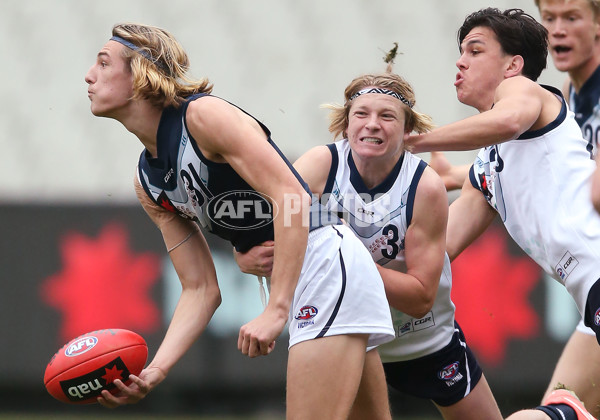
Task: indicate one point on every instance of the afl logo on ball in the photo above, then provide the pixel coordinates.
(448, 372)
(306, 312)
(81, 346)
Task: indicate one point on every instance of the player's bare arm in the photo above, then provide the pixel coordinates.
(414, 292)
(519, 105)
(468, 217)
(199, 300)
(225, 133)
(313, 166)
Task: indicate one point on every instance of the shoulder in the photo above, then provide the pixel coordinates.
(205, 108)
(313, 166)
(318, 155)
(520, 85)
(431, 187)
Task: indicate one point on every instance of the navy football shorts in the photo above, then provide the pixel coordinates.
(445, 377)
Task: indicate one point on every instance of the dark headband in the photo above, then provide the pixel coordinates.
(385, 92)
(141, 51)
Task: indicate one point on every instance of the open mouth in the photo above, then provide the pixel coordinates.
(371, 140)
(561, 49)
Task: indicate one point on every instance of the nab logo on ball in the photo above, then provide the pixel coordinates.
(81, 346)
(89, 364)
(91, 385)
(241, 209)
(306, 312)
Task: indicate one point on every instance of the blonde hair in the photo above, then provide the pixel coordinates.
(414, 121)
(594, 5)
(159, 65)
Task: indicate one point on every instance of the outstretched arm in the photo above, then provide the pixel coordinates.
(519, 104)
(225, 134)
(200, 298)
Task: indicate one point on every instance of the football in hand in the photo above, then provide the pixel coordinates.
(89, 364)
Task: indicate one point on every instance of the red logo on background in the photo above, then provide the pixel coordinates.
(103, 284)
(490, 288)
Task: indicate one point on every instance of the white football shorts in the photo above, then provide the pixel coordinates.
(339, 290)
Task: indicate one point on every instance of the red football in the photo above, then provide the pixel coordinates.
(88, 364)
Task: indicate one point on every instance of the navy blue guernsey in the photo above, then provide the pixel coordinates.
(182, 180)
(586, 106)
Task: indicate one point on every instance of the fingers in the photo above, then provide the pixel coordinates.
(252, 346)
(124, 394)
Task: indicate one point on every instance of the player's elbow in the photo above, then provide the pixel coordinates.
(423, 307)
(214, 298)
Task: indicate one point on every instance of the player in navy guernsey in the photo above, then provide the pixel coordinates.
(525, 131)
(208, 165)
(398, 208)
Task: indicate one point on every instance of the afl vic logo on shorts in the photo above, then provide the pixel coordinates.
(597, 317)
(450, 374)
(305, 316)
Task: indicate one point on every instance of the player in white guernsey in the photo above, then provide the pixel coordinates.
(574, 43)
(596, 185)
(397, 206)
(533, 170)
(199, 162)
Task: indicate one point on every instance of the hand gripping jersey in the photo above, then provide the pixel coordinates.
(380, 218)
(183, 181)
(539, 184)
(586, 106)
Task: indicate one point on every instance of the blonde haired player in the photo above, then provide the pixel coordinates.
(201, 152)
(398, 208)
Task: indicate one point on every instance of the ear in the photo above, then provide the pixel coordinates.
(515, 66)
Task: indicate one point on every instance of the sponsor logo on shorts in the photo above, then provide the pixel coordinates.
(449, 371)
(80, 346)
(305, 316)
(566, 265)
(450, 374)
(597, 317)
(307, 312)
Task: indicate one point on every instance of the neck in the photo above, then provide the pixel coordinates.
(581, 74)
(374, 171)
(143, 121)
